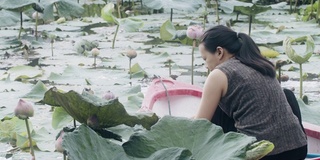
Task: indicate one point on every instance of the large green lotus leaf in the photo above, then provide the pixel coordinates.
(204, 139)
(167, 31)
(20, 73)
(11, 126)
(131, 24)
(251, 10)
(107, 13)
(17, 5)
(299, 58)
(109, 113)
(65, 8)
(60, 118)
(92, 146)
(182, 5)
(310, 113)
(229, 6)
(37, 91)
(8, 18)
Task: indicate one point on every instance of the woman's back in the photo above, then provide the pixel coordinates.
(259, 107)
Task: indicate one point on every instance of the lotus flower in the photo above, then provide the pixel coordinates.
(195, 32)
(58, 143)
(109, 96)
(93, 122)
(95, 52)
(131, 54)
(24, 110)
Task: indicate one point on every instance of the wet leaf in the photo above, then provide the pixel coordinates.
(65, 8)
(167, 31)
(37, 91)
(21, 73)
(8, 18)
(131, 24)
(110, 113)
(60, 118)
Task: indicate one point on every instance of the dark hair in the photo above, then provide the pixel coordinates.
(239, 44)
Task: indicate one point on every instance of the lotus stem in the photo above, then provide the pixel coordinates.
(192, 59)
(30, 140)
(119, 12)
(205, 15)
(74, 123)
(64, 156)
(130, 68)
(94, 61)
(217, 12)
(171, 13)
(290, 6)
(250, 22)
(51, 48)
(36, 29)
(167, 95)
(115, 35)
(20, 25)
(170, 68)
(318, 12)
(301, 79)
(279, 73)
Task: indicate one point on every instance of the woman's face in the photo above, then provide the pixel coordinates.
(211, 59)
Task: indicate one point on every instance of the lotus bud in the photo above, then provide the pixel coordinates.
(58, 143)
(95, 52)
(24, 110)
(93, 122)
(284, 78)
(131, 54)
(34, 15)
(195, 32)
(109, 96)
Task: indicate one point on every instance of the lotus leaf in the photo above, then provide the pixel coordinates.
(298, 57)
(182, 5)
(109, 113)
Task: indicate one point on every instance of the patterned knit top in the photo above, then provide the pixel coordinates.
(259, 107)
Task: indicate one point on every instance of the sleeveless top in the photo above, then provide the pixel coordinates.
(259, 107)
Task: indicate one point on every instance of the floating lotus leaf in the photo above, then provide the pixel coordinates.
(267, 52)
(109, 113)
(299, 58)
(251, 10)
(182, 5)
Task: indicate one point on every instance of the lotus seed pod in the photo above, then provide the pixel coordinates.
(132, 54)
(24, 110)
(95, 52)
(93, 122)
(58, 143)
(280, 63)
(109, 96)
(195, 32)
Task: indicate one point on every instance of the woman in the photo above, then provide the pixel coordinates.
(243, 85)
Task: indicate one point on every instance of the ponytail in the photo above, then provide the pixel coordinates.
(250, 55)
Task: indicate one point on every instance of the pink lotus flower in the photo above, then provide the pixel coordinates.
(58, 143)
(109, 96)
(24, 110)
(95, 51)
(195, 32)
(131, 54)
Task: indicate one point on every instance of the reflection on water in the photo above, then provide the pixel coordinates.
(181, 106)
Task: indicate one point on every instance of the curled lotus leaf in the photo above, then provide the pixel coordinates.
(293, 55)
(110, 113)
(107, 13)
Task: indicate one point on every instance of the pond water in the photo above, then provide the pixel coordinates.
(69, 70)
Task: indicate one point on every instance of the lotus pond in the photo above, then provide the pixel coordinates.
(51, 65)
